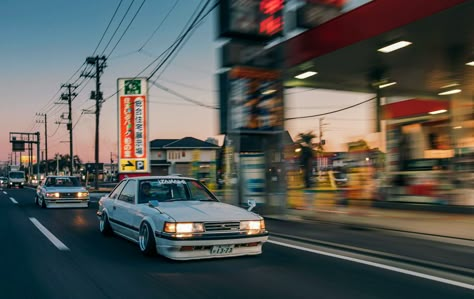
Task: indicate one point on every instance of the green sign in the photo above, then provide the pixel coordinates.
(133, 87)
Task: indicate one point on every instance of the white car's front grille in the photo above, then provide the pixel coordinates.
(68, 195)
(222, 226)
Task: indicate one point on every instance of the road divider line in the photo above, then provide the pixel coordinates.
(52, 238)
(13, 200)
(5, 192)
(377, 265)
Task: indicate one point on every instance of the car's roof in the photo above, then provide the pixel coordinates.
(161, 177)
(61, 176)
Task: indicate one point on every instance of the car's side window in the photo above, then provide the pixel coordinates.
(116, 192)
(129, 192)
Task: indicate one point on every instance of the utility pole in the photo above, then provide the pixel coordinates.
(99, 63)
(69, 96)
(45, 139)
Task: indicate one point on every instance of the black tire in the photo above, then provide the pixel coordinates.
(104, 225)
(43, 203)
(146, 240)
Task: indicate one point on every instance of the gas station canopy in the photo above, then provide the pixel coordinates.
(345, 52)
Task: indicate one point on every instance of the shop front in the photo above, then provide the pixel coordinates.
(426, 162)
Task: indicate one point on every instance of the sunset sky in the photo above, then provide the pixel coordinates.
(45, 42)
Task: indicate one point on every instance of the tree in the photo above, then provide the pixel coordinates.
(305, 143)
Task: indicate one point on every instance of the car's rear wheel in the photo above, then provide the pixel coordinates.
(146, 240)
(104, 225)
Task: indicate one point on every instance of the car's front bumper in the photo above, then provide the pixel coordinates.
(200, 247)
(67, 203)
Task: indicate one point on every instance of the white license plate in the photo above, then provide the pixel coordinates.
(222, 249)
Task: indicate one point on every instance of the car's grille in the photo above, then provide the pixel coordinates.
(221, 226)
(68, 195)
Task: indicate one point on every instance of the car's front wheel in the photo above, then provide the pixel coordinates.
(104, 225)
(146, 240)
(43, 203)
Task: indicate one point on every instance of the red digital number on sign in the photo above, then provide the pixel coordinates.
(271, 24)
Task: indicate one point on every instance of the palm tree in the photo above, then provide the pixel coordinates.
(305, 143)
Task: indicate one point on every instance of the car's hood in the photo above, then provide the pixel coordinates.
(65, 189)
(200, 211)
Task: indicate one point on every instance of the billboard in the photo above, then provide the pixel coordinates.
(251, 101)
(133, 151)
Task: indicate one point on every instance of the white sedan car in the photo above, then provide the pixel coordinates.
(61, 192)
(180, 219)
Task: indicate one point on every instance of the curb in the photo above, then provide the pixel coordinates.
(374, 227)
(379, 254)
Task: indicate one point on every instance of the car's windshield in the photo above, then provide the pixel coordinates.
(62, 182)
(17, 175)
(173, 190)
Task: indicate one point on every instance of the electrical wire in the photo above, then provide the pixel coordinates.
(159, 25)
(183, 97)
(188, 30)
(126, 29)
(180, 38)
(107, 28)
(116, 29)
(331, 112)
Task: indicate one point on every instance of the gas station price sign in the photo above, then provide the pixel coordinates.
(259, 20)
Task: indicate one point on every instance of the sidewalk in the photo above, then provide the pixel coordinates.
(448, 225)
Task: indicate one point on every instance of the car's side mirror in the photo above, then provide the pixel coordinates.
(153, 203)
(252, 204)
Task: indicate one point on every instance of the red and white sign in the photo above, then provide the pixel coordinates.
(133, 126)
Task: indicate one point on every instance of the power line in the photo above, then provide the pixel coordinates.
(331, 112)
(159, 25)
(107, 28)
(188, 30)
(126, 29)
(183, 97)
(178, 40)
(116, 29)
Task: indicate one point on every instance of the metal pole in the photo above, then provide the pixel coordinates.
(37, 155)
(97, 118)
(71, 154)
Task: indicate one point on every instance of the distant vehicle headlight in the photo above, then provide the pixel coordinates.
(52, 194)
(183, 227)
(252, 226)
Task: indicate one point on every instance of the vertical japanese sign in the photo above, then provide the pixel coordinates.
(133, 126)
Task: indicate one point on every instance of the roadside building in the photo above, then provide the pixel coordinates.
(187, 156)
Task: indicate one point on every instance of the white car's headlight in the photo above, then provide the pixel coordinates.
(183, 227)
(82, 194)
(52, 194)
(252, 226)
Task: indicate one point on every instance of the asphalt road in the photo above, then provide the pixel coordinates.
(80, 263)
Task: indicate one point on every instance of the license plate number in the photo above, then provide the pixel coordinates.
(222, 249)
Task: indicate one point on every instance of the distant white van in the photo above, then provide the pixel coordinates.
(16, 178)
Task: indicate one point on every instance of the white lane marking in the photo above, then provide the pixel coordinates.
(377, 265)
(56, 242)
(13, 200)
(5, 192)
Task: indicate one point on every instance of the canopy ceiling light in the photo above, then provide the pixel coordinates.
(394, 46)
(305, 75)
(449, 91)
(438, 111)
(470, 63)
(269, 91)
(387, 84)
